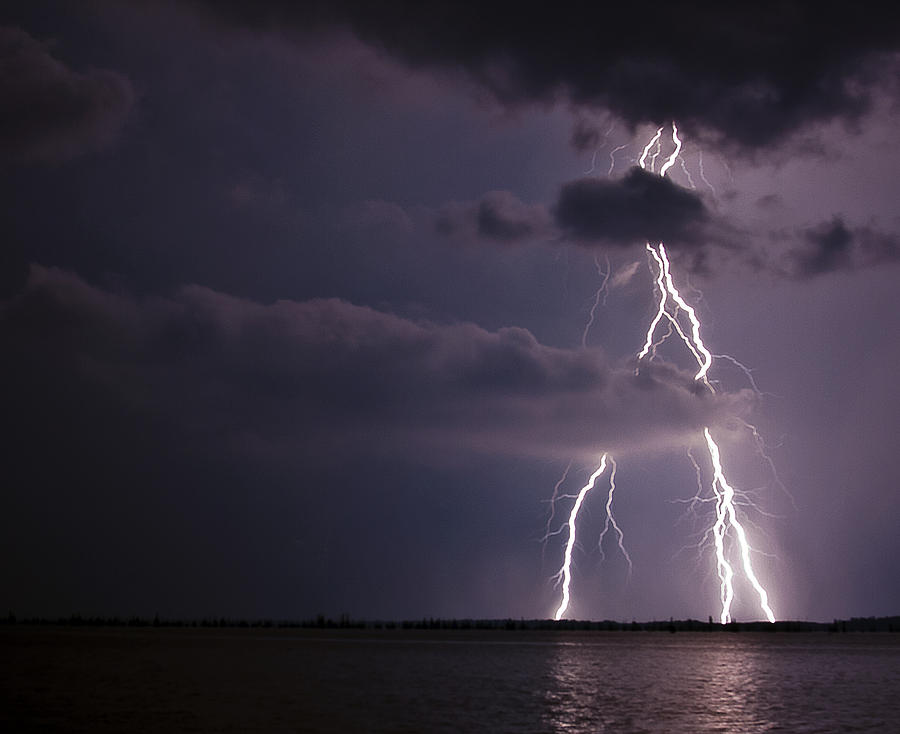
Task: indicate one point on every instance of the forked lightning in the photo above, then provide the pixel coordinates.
(726, 510)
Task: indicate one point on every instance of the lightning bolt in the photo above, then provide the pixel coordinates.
(726, 512)
(661, 311)
(566, 570)
(599, 296)
(698, 347)
(724, 494)
(611, 520)
(642, 161)
(612, 158)
(727, 505)
(601, 145)
(703, 175)
(553, 499)
(675, 153)
(687, 174)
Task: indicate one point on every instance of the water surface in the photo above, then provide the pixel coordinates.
(199, 680)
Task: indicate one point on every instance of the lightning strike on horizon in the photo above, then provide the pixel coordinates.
(726, 512)
(566, 570)
(727, 494)
(724, 495)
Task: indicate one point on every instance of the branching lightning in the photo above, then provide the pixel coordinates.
(671, 306)
(611, 520)
(687, 174)
(642, 161)
(698, 348)
(600, 146)
(566, 570)
(660, 312)
(727, 506)
(675, 153)
(703, 175)
(612, 158)
(549, 533)
(599, 297)
(726, 512)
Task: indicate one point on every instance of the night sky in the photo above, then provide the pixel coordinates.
(293, 301)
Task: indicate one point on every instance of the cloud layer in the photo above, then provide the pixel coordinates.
(324, 373)
(751, 74)
(832, 246)
(591, 212)
(640, 206)
(499, 216)
(50, 111)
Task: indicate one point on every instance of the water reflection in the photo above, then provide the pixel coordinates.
(728, 691)
(598, 685)
(447, 682)
(649, 682)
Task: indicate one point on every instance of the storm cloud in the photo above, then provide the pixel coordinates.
(621, 212)
(325, 372)
(834, 246)
(51, 111)
(499, 216)
(750, 74)
(257, 376)
(640, 206)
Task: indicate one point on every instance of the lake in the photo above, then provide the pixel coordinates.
(289, 680)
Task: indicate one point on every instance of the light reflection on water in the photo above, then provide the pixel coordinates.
(464, 681)
(741, 683)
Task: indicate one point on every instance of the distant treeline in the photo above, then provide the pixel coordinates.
(854, 624)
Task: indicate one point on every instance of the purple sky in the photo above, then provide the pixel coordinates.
(292, 304)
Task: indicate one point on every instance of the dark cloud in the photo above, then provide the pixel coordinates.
(499, 216)
(50, 111)
(640, 206)
(585, 135)
(326, 376)
(833, 246)
(829, 249)
(750, 73)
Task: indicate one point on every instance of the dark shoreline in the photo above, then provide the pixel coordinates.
(854, 624)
